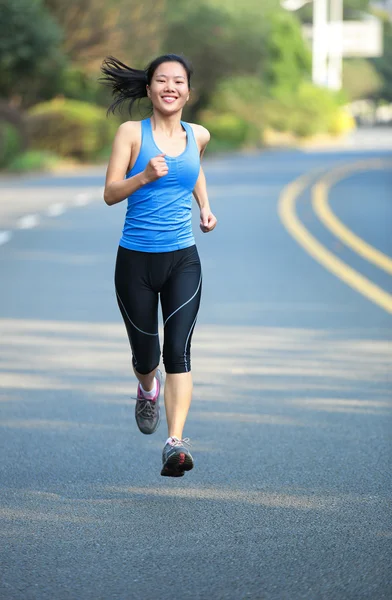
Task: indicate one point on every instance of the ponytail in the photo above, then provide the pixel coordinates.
(128, 85)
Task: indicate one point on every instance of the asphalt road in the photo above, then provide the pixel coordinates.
(291, 417)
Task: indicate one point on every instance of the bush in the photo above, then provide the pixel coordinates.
(10, 142)
(306, 112)
(77, 84)
(342, 122)
(316, 109)
(225, 128)
(242, 96)
(248, 110)
(70, 128)
(33, 160)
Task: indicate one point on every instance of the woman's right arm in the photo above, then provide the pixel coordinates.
(116, 187)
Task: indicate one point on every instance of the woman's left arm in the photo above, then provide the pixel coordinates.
(208, 221)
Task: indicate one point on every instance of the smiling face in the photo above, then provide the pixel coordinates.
(169, 89)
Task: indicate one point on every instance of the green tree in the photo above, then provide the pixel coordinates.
(255, 8)
(352, 10)
(383, 64)
(219, 44)
(129, 29)
(289, 59)
(29, 49)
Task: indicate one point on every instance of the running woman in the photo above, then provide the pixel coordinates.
(155, 164)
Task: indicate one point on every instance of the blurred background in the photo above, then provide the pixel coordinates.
(267, 73)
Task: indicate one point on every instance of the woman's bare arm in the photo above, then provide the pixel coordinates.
(200, 191)
(207, 219)
(116, 187)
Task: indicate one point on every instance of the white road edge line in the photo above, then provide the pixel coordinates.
(56, 209)
(5, 236)
(27, 222)
(83, 199)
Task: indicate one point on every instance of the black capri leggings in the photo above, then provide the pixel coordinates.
(140, 278)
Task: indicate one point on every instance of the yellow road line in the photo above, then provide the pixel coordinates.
(358, 282)
(330, 220)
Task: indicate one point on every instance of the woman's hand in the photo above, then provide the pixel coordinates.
(208, 221)
(156, 168)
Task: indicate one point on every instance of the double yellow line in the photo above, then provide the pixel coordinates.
(287, 213)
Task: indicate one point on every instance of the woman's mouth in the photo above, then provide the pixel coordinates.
(169, 99)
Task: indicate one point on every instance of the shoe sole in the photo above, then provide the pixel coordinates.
(177, 464)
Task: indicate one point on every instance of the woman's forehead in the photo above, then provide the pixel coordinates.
(173, 69)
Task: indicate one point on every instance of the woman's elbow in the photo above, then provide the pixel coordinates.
(108, 197)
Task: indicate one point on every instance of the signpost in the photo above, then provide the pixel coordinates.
(333, 39)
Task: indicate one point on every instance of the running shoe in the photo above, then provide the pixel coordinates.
(147, 411)
(176, 458)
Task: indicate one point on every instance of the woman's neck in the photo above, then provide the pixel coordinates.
(168, 124)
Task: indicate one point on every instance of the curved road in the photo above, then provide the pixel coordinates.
(291, 418)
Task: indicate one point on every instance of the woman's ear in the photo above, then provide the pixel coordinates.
(148, 91)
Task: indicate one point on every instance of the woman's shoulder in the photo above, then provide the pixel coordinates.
(129, 127)
(202, 134)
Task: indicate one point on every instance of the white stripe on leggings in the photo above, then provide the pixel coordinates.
(182, 305)
(186, 343)
(130, 320)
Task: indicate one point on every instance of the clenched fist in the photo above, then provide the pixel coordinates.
(156, 168)
(208, 221)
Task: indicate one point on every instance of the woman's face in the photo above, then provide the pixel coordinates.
(168, 89)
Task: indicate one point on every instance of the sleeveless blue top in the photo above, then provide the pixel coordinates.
(159, 214)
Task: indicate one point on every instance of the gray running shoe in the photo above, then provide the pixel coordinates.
(147, 412)
(176, 458)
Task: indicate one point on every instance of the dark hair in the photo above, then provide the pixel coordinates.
(129, 85)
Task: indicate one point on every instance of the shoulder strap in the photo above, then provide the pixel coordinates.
(189, 129)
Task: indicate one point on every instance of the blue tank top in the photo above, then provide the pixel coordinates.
(159, 214)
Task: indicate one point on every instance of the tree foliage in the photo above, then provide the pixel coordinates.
(352, 10)
(219, 44)
(88, 26)
(252, 66)
(383, 63)
(29, 47)
(70, 128)
(94, 29)
(289, 59)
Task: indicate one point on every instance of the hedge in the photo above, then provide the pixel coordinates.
(70, 128)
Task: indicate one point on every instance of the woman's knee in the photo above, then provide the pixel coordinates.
(176, 360)
(145, 365)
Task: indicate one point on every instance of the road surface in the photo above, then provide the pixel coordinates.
(291, 417)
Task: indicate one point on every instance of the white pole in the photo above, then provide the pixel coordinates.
(320, 43)
(336, 45)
